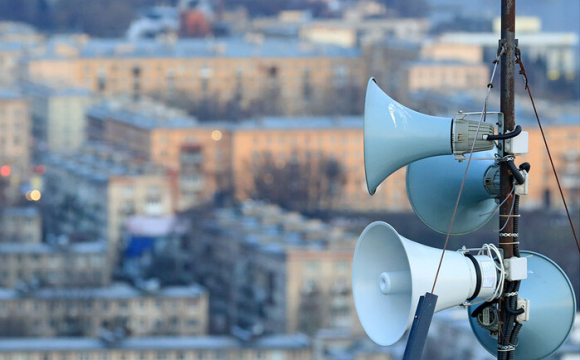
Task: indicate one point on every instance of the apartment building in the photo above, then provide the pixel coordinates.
(10, 53)
(274, 272)
(232, 156)
(289, 76)
(21, 225)
(19, 32)
(169, 137)
(564, 142)
(554, 49)
(14, 136)
(274, 347)
(60, 312)
(445, 76)
(311, 140)
(96, 189)
(16, 40)
(54, 265)
(58, 116)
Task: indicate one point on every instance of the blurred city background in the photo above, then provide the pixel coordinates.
(184, 179)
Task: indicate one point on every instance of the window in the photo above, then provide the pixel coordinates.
(313, 265)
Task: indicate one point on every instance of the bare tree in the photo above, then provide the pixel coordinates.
(310, 184)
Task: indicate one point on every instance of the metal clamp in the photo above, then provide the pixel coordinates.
(508, 235)
(505, 347)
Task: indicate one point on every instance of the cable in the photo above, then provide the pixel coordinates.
(482, 119)
(520, 179)
(527, 87)
(491, 251)
(505, 136)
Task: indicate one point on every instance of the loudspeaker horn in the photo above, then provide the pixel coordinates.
(433, 198)
(390, 273)
(552, 309)
(395, 136)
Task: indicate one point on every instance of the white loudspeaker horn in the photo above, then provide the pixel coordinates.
(552, 309)
(390, 273)
(433, 198)
(395, 136)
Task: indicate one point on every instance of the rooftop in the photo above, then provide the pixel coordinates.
(450, 63)
(43, 248)
(99, 162)
(234, 47)
(270, 229)
(6, 94)
(144, 115)
(300, 123)
(149, 115)
(291, 341)
(42, 90)
(27, 211)
(13, 27)
(490, 38)
(11, 46)
(115, 291)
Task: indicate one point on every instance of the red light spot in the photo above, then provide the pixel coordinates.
(41, 169)
(5, 171)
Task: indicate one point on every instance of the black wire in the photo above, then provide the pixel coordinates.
(520, 179)
(508, 324)
(514, 340)
(515, 333)
(505, 136)
(511, 302)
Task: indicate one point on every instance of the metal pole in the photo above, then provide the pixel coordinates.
(508, 22)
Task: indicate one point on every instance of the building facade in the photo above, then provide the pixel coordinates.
(21, 225)
(237, 158)
(14, 136)
(196, 154)
(287, 76)
(445, 76)
(307, 142)
(58, 265)
(289, 347)
(58, 116)
(95, 190)
(269, 271)
(58, 312)
(564, 143)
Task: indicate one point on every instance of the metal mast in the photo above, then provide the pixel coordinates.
(506, 221)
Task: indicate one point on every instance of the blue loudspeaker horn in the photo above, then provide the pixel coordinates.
(433, 198)
(552, 310)
(390, 273)
(395, 136)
